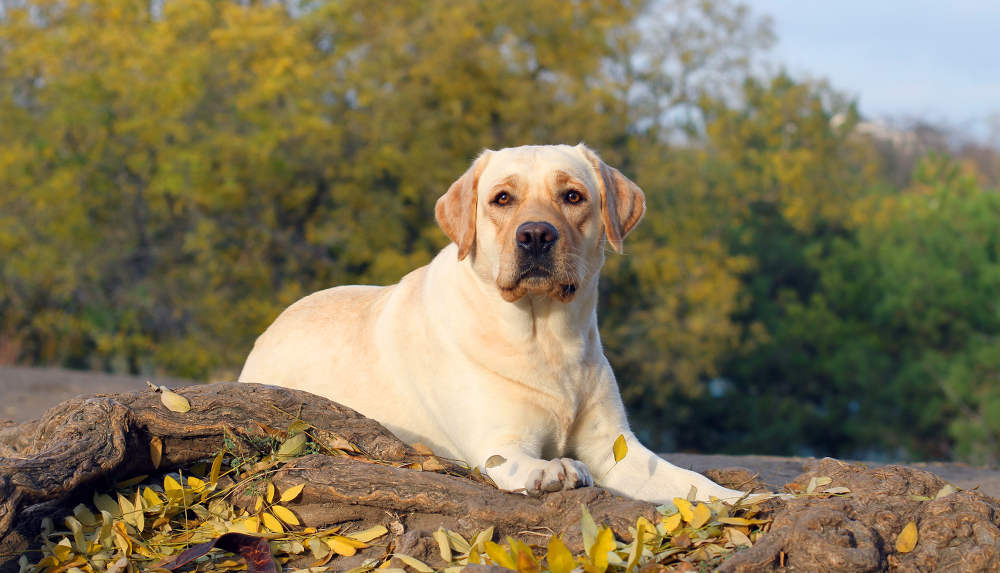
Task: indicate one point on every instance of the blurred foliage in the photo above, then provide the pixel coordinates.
(174, 174)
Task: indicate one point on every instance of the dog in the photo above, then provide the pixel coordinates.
(491, 354)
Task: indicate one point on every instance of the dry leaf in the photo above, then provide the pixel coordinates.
(444, 547)
(271, 522)
(291, 447)
(284, 514)
(907, 539)
(213, 476)
(685, 508)
(174, 401)
(495, 460)
(156, 450)
(292, 492)
(369, 534)
(700, 515)
(620, 449)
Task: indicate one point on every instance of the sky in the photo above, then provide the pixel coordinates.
(935, 60)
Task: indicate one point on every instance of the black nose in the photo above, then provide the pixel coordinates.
(536, 237)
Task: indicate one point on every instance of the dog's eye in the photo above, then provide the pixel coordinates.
(573, 196)
(502, 198)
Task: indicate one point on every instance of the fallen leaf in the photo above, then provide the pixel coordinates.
(292, 492)
(620, 449)
(156, 450)
(559, 558)
(500, 556)
(444, 547)
(907, 539)
(948, 489)
(588, 528)
(271, 522)
(255, 550)
(284, 514)
(413, 562)
(737, 537)
(672, 523)
(369, 534)
(174, 401)
(685, 508)
(213, 476)
(291, 447)
(700, 515)
(495, 460)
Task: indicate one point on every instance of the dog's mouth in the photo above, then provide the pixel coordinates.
(534, 278)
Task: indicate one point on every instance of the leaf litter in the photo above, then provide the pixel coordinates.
(186, 519)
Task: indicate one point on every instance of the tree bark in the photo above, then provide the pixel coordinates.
(89, 443)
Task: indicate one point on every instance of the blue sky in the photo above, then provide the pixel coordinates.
(901, 59)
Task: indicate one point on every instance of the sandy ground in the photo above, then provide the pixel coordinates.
(25, 394)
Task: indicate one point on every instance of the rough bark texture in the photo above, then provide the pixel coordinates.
(90, 442)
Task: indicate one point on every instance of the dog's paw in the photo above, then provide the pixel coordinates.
(557, 475)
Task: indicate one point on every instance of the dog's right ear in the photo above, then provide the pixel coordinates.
(456, 210)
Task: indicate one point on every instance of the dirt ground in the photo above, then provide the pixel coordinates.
(25, 393)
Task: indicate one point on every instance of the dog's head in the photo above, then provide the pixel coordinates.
(535, 218)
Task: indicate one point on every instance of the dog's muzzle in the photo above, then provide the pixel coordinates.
(536, 238)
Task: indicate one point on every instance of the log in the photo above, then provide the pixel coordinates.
(89, 443)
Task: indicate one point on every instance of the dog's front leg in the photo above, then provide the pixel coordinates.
(641, 474)
(518, 468)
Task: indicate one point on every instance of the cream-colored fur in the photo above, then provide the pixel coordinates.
(478, 356)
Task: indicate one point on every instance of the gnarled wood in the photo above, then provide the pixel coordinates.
(91, 442)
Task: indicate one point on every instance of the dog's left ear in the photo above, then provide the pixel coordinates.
(456, 210)
(622, 201)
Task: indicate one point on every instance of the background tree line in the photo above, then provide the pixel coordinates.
(173, 174)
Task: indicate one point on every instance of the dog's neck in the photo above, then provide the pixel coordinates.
(533, 321)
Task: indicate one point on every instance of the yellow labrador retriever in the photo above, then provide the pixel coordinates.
(491, 354)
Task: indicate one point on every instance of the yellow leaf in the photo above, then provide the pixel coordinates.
(559, 558)
(640, 535)
(742, 521)
(700, 515)
(151, 498)
(139, 519)
(271, 522)
(292, 492)
(620, 448)
(63, 549)
(369, 534)
(259, 505)
(172, 489)
(213, 476)
(196, 485)
(672, 523)
(588, 528)
(907, 539)
(252, 524)
(443, 546)
(526, 562)
(685, 509)
(284, 514)
(174, 401)
(156, 450)
(599, 552)
(340, 546)
(500, 556)
(270, 492)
